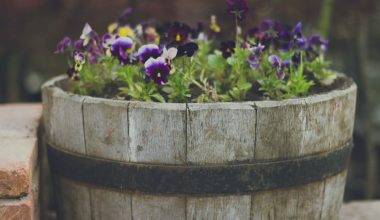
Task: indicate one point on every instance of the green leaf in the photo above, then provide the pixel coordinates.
(158, 97)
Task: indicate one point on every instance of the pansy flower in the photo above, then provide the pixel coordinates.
(315, 46)
(278, 65)
(254, 59)
(121, 48)
(178, 33)
(157, 70)
(87, 34)
(107, 41)
(125, 31)
(316, 41)
(63, 45)
(78, 44)
(79, 59)
(214, 27)
(237, 8)
(301, 43)
(73, 74)
(227, 48)
(169, 55)
(187, 49)
(147, 51)
(297, 31)
(151, 35)
(296, 59)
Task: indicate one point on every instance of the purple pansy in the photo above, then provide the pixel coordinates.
(178, 33)
(237, 8)
(120, 48)
(107, 41)
(278, 66)
(157, 70)
(275, 61)
(297, 31)
(73, 74)
(79, 57)
(78, 44)
(266, 25)
(169, 54)
(63, 45)
(147, 51)
(254, 59)
(315, 41)
(296, 59)
(187, 49)
(227, 48)
(301, 43)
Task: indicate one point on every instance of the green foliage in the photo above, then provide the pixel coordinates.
(181, 63)
(319, 69)
(135, 88)
(179, 82)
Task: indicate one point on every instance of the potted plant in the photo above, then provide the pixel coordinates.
(168, 122)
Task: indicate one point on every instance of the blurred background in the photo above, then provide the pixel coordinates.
(30, 29)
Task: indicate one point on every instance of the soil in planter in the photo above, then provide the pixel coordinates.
(111, 89)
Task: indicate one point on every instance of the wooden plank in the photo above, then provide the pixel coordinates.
(107, 136)
(333, 196)
(330, 120)
(222, 207)
(298, 127)
(106, 129)
(158, 135)
(66, 121)
(280, 127)
(47, 99)
(149, 207)
(219, 133)
(157, 132)
(302, 202)
(74, 200)
(107, 204)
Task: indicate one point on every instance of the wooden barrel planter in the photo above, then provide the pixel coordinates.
(250, 160)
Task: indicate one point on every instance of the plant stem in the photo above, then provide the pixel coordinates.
(237, 31)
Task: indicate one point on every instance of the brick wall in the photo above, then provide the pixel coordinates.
(19, 179)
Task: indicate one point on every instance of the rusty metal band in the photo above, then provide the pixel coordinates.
(194, 179)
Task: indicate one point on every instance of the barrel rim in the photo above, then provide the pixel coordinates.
(53, 83)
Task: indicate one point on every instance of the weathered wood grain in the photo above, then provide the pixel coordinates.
(66, 121)
(300, 127)
(157, 132)
(222, 207)
(329, 120)
(106, 129)
(106, 136)
(149, 207)
(158, 135)
(301, 202)
(333, 196)
(107, 204)
(74, 200)
(280, 129)
(47, 99)
(220, 132)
